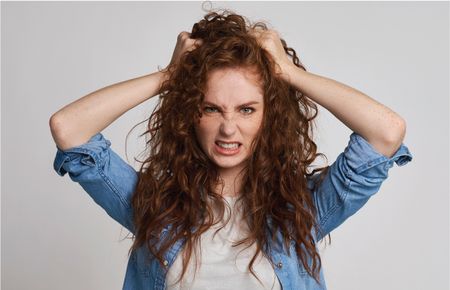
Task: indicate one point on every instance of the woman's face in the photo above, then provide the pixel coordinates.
(232, 114)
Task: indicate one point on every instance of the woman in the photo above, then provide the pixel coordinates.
(226, 198)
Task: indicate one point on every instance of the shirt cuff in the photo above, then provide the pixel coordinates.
(92, 149)
(361, 155)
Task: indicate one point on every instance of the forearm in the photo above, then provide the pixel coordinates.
(378, 124)
(78, 121)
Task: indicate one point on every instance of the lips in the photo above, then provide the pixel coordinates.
(227, 142)
(234, 150)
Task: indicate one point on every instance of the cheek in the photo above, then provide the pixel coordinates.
(255, 126)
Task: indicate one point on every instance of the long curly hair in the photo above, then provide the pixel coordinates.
(178, 178)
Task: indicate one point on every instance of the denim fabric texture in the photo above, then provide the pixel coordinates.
(355, 175)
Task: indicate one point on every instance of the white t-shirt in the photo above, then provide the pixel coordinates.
(222, 266)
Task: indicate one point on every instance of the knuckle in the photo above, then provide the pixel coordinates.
(272, 33)
(182, 35)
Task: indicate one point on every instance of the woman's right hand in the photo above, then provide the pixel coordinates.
(184, 44)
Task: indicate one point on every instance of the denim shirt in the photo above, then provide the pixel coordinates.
(355, 175)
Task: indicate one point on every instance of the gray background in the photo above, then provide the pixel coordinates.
(55, 237)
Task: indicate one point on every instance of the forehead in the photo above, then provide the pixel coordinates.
(226, 85)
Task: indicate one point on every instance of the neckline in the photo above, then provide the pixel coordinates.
(230, 196)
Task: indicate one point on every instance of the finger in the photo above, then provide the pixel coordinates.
(198, 42)
(195, 42)
(183, 35)
(254, 32)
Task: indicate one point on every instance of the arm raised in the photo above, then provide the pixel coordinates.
(78, 121)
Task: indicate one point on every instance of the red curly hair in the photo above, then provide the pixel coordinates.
(177, 177)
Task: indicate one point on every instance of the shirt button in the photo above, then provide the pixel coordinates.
(165, 263)
(280, 265)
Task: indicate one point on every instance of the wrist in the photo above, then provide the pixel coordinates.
(288, 69)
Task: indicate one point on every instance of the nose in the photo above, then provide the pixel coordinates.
(228, 125)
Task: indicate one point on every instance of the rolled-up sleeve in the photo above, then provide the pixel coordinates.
(355, 175)
(104, 175)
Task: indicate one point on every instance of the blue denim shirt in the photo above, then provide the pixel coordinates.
(355, 175)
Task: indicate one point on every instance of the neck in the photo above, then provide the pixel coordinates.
(232, 182)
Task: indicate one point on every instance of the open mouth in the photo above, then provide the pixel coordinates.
(227, 148)
(230, 146)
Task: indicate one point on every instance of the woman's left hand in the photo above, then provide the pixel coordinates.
(271, 42)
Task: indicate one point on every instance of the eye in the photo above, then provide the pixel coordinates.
(210, 109)
(248, 110)
(245, 110)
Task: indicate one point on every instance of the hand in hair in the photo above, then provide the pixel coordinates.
(184, 44)
(271, 42)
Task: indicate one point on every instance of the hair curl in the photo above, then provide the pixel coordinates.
(177, 177)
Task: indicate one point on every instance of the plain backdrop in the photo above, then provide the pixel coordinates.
(55, 237)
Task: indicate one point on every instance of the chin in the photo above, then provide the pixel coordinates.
(230, 162)
(229, 165)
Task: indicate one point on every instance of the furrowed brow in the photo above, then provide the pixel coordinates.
(239, 106)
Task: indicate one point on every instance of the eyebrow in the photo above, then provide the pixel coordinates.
(239, 106)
